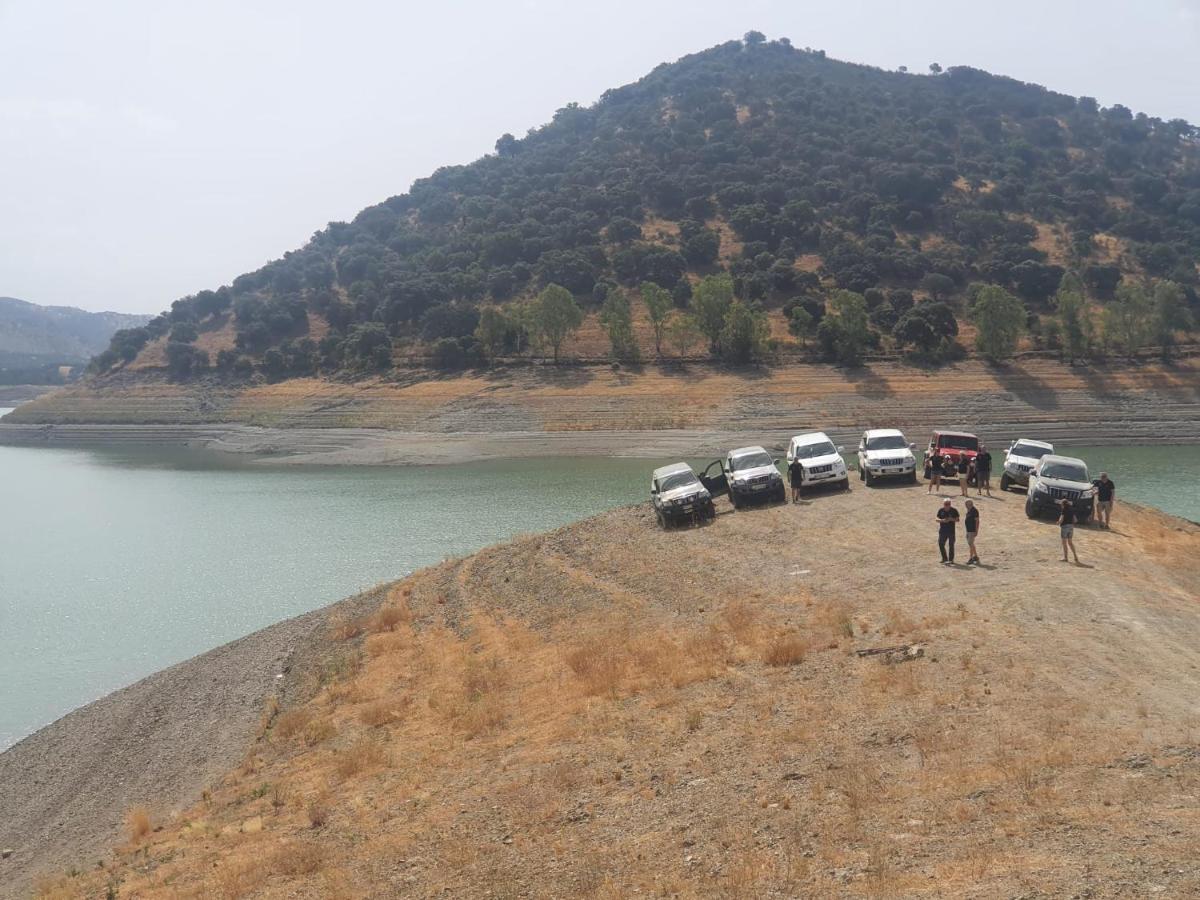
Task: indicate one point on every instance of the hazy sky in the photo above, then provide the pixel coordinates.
(152, 149)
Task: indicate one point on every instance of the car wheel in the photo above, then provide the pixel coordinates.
(861, 472)
(662, 523)
(912, 477)
(846, 483)
(1029, 510)
(1004, 482)
(869, 479)
(733, 500)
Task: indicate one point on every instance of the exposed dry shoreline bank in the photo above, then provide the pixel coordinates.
(596, 411)
(65, 789)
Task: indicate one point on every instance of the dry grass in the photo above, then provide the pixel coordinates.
(137, 823)
(625, 749)
(785, 649)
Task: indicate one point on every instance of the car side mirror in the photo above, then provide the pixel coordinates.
(841, 449)
(653, 491)
(775, 460)
(912, 447)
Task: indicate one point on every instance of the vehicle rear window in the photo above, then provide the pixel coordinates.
(1065, 471)
(677, 480)
(751, 461)
(812, 451)
(958, 442)
(1029, 450)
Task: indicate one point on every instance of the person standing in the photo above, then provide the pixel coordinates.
(795, 477)
(949, 467)
(983, 471)
(972, 474)
(1066, 528)
(963, 467)
(947, 519)
(935, 470)
(971, 527)
(1106, 490)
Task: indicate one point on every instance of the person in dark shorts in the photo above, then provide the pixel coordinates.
(795, 474)
(971, 527)
(1066, 528)
(983, 471)
(935, 470)
(965, 478)
(947, 518)
(1106, 491)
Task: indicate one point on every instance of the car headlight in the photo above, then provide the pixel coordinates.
(1088, 493)
(1039, 488)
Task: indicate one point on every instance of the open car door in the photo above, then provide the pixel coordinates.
(713, 478)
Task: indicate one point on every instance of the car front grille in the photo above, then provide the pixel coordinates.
(1021, 468)
(890, 462)
(819, 470)
(1064, 494)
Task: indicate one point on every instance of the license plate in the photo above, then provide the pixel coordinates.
(892, 472)
(758, 487)
(688, 508)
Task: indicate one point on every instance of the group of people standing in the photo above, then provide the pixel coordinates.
(977, 469)
(948, 519)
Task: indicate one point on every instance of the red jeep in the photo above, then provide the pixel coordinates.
(954, 444)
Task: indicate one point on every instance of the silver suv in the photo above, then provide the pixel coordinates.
(678, 496)
(1020, 459)
(746, 474)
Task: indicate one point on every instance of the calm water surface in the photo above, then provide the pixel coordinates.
(114, 564)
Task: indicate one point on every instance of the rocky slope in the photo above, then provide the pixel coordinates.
(611, 710)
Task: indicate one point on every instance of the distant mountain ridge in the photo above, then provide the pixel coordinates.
(35, 341)
(60, 334)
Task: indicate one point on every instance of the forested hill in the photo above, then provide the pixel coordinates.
(800, 177)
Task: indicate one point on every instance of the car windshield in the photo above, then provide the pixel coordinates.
(751, 461)
(1065, 471)
(1029, 450)
(812, 451)
(887, 442)
(958, 442)
(677, 480)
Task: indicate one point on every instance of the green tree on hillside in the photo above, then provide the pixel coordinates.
(711, 299)
(844, 331)
(658, 307)
(1127, 318)
(616, 316)
(1074, 317)
(800, 324)
(493, 331)
(1170, 315)
(682, 333)
(745, 335)
(999, 319)
(556, 316)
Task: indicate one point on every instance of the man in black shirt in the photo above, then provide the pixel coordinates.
(1106, 490)
(983, 471)
(971, 527)
(935, 470)
(947, 518)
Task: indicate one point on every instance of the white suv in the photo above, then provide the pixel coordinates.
(886, 453)
(820, 461)
(1021, 459)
